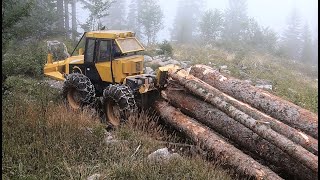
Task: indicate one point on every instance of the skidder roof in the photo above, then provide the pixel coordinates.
(110, 34)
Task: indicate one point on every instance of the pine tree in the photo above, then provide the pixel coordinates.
(236, 22)
(74, 19)
(186, 20)
(315, 46)
(133, 23)
(211, 26)
(291, 41)
(270, 40)
(13, 12)
(98, 10)
(66, 18)
(150, 17)
(306, 52)
(117, 15)
(60, 15)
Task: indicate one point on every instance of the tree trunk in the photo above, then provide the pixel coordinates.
(221, 149)
(235, 131)
(291, 133)
(74, 20)
(60, 15)
(66, 18)
(283, 110)
(207, 92)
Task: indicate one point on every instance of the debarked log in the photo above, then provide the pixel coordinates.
(236, 132)
(268, 103)
(207, 92)
(222, 150)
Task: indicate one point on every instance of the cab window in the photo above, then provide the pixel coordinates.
(89, 50)
(104, 52)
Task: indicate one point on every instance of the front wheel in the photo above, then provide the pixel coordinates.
(78, 90)
(118, 102)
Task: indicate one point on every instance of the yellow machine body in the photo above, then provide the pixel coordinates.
(121, 66)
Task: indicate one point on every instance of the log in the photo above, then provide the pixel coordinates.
(207, 92)
(223, 151)
(236, 132)
(291, 133)
(268, 103)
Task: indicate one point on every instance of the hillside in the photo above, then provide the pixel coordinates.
(43, 139)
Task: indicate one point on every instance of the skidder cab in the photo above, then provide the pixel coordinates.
(111, 68)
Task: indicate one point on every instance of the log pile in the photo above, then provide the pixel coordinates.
(253, 131)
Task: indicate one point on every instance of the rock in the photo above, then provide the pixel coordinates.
(188, 69)
(263, 82)
(162, 155)
(184, 65)
(248, 81)
(147, 58)
(172, 61)
(175, 156)
(208, 46)
(148, 70)
(226, 71)
(55, 84)
(159, 154)
(244, 67)
(223, 67)
(166, 59)
(267, 86)
(94, 177)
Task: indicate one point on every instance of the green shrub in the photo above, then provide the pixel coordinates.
(165, 48)
(27, 59)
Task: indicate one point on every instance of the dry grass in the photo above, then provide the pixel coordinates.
(43, 139)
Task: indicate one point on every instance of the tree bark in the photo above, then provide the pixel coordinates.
(222, 150)
(277, 108)
(66, 18)
(60, 15)
(235, 131)
(207, 92)
(291, 133)
(74, 20)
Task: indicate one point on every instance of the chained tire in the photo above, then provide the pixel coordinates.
(78, 91)
(118, 103)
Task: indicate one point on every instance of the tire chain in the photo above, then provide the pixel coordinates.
(123, 96)
(82, 84)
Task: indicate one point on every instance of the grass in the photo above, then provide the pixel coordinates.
(293, 81)
(43, 139)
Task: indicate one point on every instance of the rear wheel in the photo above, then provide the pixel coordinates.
(118, 102)
(78, 90)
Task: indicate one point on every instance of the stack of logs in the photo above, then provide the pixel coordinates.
(245, 128)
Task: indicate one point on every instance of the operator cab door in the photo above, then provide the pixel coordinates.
(96, 51)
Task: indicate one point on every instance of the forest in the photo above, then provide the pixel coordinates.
(42, 140)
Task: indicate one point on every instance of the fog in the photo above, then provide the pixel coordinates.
(272, 13)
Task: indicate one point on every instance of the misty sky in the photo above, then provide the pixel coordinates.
(272, 13)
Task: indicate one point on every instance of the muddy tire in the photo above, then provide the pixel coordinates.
(78, 91)
(118, 102)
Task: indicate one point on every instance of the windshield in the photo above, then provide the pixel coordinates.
(127, 45)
